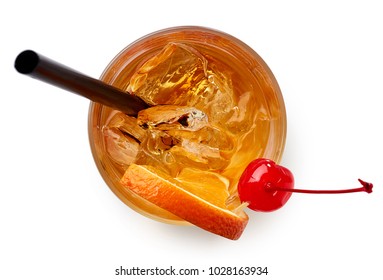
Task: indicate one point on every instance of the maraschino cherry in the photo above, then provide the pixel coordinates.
(267, 186)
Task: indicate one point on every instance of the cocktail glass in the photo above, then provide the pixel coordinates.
(249, 110)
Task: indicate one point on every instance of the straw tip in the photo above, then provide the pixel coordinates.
(26, 62)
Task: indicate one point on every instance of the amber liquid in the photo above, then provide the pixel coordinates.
(211, 111)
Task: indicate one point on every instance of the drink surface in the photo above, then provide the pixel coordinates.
(210, 116)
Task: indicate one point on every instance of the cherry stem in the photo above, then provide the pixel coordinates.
(366, 187)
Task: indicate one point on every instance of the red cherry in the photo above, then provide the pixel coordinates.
(266, 186)
(260, 174)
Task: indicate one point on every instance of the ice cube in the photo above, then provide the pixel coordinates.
(180, 75)
(122, 138)
(170, 76)
(121, 149)
(167, 117)
(180, 135)
(127, 125)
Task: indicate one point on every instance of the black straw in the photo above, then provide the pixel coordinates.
(44, 69)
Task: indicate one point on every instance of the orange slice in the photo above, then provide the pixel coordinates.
(177, 197)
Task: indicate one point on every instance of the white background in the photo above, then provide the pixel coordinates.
(59, 220)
